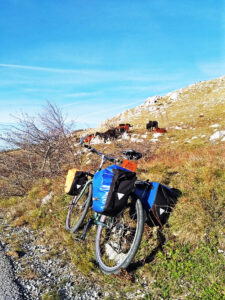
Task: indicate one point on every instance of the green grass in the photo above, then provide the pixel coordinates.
(191, 273)
(51, 296)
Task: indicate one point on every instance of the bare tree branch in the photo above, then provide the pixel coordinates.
(42, 146)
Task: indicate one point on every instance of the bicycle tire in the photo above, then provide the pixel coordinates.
(79, 208)
(115, 229)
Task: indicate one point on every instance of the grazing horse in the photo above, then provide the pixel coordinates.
(87, 138)
(160, 130)
(109, 134)
(124, 127)
(112, 133)
(151, 124)
(102, 135)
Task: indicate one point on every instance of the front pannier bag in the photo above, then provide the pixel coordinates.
(75, 181)
(111, 189)
(158, 199)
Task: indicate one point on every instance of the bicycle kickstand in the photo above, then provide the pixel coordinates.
(88, 225)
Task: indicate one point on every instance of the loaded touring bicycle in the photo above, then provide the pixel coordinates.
(121, 203)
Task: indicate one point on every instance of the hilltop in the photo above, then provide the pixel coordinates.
(177, 107)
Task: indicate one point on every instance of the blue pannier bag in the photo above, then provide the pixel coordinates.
(157, 199)
(111, 189)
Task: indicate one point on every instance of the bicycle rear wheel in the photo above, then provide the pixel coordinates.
(118, 238)
(79, 208)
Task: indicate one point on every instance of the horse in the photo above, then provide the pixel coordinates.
(151, 124)
(87, 138)
(110, 134)
(160, 130)
(124, 127)
(101, 135)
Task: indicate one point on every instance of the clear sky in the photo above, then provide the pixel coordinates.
(96, 58)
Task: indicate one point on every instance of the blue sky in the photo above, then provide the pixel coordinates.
(96, 58)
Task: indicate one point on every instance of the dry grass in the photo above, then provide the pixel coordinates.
(200, 175)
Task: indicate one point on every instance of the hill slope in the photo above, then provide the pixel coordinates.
(183, 105)
(183, 260)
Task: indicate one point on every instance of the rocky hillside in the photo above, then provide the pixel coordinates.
(192, 116)
(178, 107)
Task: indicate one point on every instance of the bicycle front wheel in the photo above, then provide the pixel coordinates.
(118, 238)
(79, 208)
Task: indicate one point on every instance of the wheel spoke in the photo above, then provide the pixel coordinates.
(79, 209)
(115, 242)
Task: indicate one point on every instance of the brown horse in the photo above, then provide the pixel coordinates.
(88, 138)
(160, 130)
(124, 127)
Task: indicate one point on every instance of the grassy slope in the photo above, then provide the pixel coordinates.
(185, 259)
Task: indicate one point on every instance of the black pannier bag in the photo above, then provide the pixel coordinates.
(75, 181)
(111, 189)
(165, 200)
(158, 199)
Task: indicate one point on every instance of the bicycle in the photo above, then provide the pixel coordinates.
(118, 237)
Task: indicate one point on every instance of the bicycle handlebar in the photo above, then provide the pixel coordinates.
(93, 150)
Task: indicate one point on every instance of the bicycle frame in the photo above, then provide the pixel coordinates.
(97, 216)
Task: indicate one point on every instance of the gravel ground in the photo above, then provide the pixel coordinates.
(9, 289)
(29, 273)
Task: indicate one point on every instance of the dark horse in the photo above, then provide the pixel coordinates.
(110, 134)
(151, 124)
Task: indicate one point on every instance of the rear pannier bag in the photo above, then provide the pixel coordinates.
(75, 181)
(111, 189)
(158, 199)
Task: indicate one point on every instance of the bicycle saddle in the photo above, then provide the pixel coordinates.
(132, 154)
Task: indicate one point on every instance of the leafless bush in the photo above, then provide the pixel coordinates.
(42, 147)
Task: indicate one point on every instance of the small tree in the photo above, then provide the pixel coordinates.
(42, 147)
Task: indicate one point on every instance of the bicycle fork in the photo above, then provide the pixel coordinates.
(90, 222)
(88, 225)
